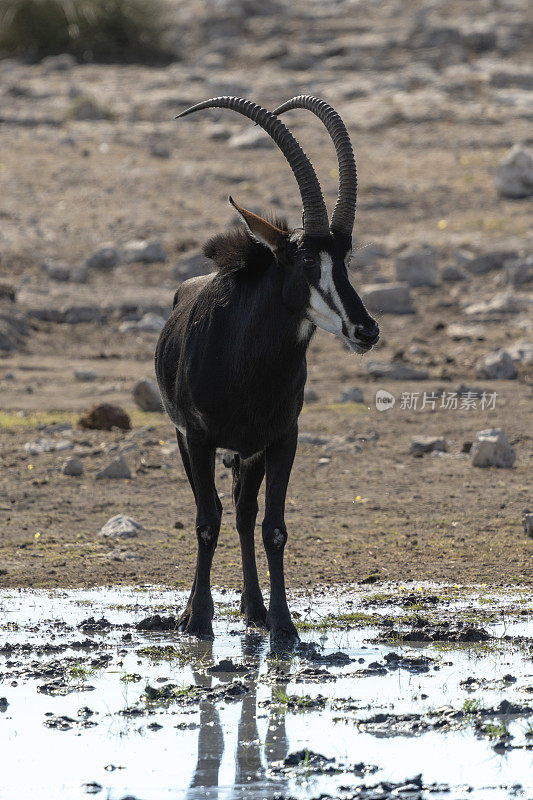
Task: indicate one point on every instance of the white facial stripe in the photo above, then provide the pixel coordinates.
(319, 311)
(327, 284)
(322, 315)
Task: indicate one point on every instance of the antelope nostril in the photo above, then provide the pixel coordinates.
(369, 334)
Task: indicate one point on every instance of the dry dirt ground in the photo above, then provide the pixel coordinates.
(432, 110)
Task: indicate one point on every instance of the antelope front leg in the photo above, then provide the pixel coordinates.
(279, 460)
(208, 515)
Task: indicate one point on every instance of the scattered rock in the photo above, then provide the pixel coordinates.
(451, 274)
(57, 272)
(367, 256)
(121, 526)
(468, 333)
(153, 323)
(160, 150)
(352, 395)
(310, 395)
(227, 665)
(85, 375)
(519, 271)
(501, 303)
(250, 139)
(8, 292)
(74, 315)
(191, 265)
(104, 417)
(60, 63)
(105, 258)
(484, 263)
(396, 371)
(39, 446)
(343, 444)
(427, 444)
(146, 252)
(3, 704)
(117, 469)
(312, 439)
(72, 466)
(521, 352)
(155, 622)
(13, 331)
(492, 449)
(514, 175)
(392, 298)
(527, 522)
(497, 366)
(146, 395)
(417, 266)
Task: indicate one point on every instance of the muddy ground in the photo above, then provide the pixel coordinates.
(415, 691)
(432, 110)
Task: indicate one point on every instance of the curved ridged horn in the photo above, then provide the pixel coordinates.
(343, 216)
(315, 212)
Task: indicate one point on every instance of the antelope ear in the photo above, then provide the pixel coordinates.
(260, 229)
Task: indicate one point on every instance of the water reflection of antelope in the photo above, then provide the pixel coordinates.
(252, 757)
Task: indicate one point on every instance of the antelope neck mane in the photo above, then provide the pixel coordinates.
(236, 251)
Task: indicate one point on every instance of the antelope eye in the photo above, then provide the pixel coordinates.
(309, 261)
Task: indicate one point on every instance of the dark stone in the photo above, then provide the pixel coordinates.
(104, 417)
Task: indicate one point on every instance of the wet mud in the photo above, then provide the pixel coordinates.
(416, 692)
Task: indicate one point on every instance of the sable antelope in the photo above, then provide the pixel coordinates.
(231, 360)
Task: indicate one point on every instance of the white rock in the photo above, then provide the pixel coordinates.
(85, 375)
(514, 175)
(121, 526)
(352, 395)
(468, 333)
(251, 139)
(40, 446)
(146, 395)
(72, 466)
(150, 322)
(427, 444)
(105, 258)
(392, 298)
(527, 522)
(116, 469)
(497, 366)
(395, 371)
(501, 303)
(417, 266)
(147, 252)
(521, 352)
(169, 449)
(492, 449)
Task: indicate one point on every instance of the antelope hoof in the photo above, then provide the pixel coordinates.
(255, 617)
(201, 628)
(254, 612)
(284, 637)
